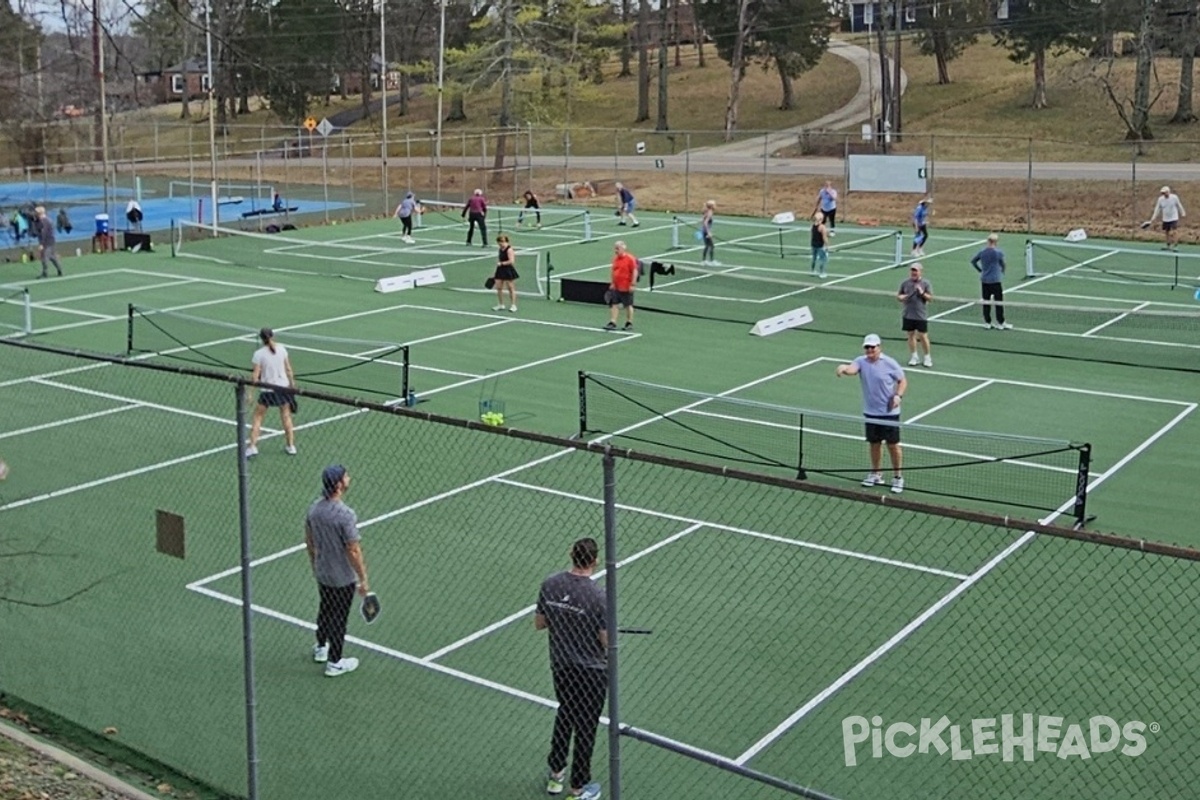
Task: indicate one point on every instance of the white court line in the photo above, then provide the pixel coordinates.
(525, 612)
(541, 322)
(1120, 316)
(124, 290)
(879, 652)
(94, 316)
(744, 531)
(68, 421)
(121, 399)
(924, 617)
(184, 307)
(951, 401)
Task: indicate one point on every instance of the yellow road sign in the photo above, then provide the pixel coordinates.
(310, 124)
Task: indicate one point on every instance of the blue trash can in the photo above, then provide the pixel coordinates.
(102, 224)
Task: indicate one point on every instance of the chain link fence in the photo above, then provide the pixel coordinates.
(980, 182)
(762, 637)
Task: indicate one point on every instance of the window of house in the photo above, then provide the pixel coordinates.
(176, 84)
(1002, 10)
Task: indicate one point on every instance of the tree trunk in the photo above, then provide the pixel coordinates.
(661, 124)
(626, 42)
(402, 110)
(1187, 66)
(941, 46)
(1039, 78)
(1140, 118)
(458, 111)
(735, 69)
(675, 33)
(506, 87)
(789, 95)
(643, 44)
(699, 48)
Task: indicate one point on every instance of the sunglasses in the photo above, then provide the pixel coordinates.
(870, 347)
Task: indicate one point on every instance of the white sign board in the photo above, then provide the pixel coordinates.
(781, 322)
(871, 173)
(424, 277)
(324, 127)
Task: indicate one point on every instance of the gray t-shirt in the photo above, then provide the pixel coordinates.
(879, 380)
(574, 608)
(45, 232)
(333, 525)
(914, 302)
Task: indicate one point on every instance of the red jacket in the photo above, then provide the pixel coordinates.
(477, 204)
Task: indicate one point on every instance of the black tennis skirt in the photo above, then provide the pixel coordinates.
(505, 272)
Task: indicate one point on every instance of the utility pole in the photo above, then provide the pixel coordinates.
(212, 115)
(98, 54)
(383, 76)
(896, 89)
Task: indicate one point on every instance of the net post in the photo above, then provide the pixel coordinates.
(549, 270)
(780, 232)
(129, 330)
(587, 225)
(419, 213)
(898, 247)
(1081, 485)
(674, 236)
(28, 311)
(174, 232)
(801, 472)
(405, 388)
(1029, 273)
(582, 378)
(1175, 276)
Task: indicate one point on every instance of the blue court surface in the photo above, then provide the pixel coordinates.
(84, 202)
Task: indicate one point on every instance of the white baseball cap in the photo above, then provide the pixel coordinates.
(1165, 190)
(872, 340)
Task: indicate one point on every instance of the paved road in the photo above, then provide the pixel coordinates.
(851, 115)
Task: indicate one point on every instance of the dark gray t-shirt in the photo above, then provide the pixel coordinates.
(914, 302)
(333, 525)
(45, 232)
(574, 608)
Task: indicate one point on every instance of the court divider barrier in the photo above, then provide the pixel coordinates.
(754, 636)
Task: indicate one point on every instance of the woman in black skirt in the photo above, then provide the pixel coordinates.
(506, 275)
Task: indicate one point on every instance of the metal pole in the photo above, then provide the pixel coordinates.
(610, 596)
(441, 90)
(687, 171)
(325, 173)
(103, 106)
(212, 116)
(766, 184)
(1029, 191)
(383, 76)
(247, 597)
(1133, 186)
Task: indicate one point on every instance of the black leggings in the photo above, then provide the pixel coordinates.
(993, 291)
(332, 617)
(481, 221)
(580, 692)
(406, 223)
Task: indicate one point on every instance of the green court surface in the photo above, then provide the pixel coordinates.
(777, 615)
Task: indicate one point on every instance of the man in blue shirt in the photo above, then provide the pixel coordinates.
(989, 263)
(625, 205)
(920, 222)
(883, 384)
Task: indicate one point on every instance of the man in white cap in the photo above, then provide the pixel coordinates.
(883, 385)
(1171, 209)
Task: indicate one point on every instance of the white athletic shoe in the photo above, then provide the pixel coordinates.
(990, 326)
(3, 470)
(498, 308)
(928, 361)
(1006, 326)
(290, 449)
(873, 479)
(335, 668)
(251, 451)
(913, 360)
(714, 263)
(897, 485)
(513, 308)
(320, 653)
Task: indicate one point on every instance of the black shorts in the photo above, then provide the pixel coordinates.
(887, 429)
(1170, 226)
(276, 398)
(918, 325)
(615, 298)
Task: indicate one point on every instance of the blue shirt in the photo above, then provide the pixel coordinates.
(626, 196)
(828, 199)
(879, 381)
(921, 214)
(989, 262)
